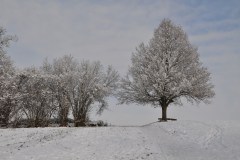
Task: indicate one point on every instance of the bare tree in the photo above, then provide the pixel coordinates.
(166, 70)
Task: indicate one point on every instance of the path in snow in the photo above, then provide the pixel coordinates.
(158, 141)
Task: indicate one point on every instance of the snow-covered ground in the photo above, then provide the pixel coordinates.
(181, 140)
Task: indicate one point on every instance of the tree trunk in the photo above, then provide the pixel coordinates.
(36, 123)
(64, 122)
(4, 116)
(80, 121)
(63, 112)
(63, 117)
(164, 113)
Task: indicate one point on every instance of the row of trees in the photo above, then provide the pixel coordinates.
(162, 72)
(54, 89)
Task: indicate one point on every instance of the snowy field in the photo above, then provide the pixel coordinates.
(181, 140)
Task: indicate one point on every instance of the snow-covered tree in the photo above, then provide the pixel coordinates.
(89, 87)
(58, 72)
(81, 87)
(37, 100)
(166, 70)
(8, 86)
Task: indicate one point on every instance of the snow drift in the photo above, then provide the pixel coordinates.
(157, 141)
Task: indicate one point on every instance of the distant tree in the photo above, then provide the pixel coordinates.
(8, 86)
(166, 70)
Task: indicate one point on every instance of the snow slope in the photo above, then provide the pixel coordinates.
(157, 141)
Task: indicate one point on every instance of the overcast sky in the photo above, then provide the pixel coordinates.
(109, 31)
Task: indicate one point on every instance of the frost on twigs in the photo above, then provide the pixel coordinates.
(166, 70)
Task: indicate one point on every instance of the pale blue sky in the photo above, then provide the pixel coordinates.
(109, 31)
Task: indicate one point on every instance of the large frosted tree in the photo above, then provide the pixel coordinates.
(166, 70)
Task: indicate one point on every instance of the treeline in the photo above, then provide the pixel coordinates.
(36, 95)
(163, 72)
